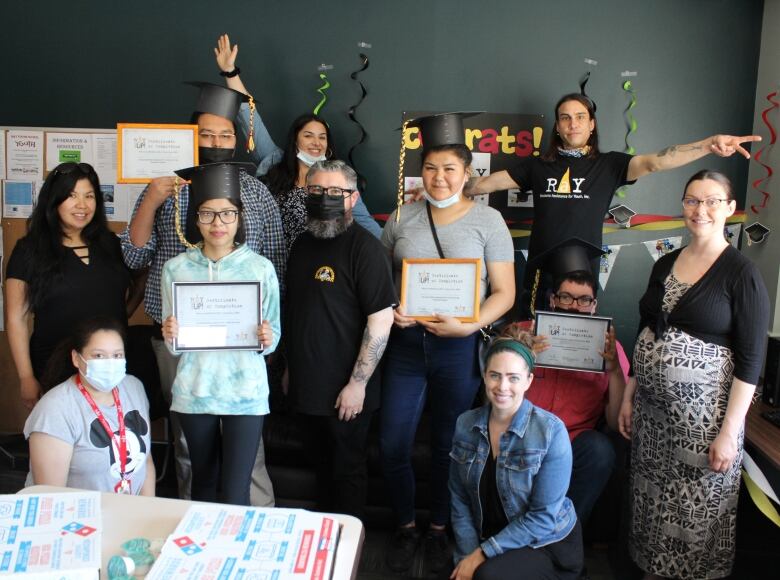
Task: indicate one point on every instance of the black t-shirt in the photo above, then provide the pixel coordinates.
(332, 287)
(571, 195)
(82, 291)
(493, 515)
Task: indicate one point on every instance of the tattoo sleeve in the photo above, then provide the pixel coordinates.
(674, 149)
(371, 350)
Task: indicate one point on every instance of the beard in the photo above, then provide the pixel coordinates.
(329, 229)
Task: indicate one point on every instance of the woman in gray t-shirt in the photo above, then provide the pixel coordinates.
(75, 430)
(437, 359)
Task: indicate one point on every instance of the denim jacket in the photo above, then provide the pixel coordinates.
(533, 468)
(267, 154)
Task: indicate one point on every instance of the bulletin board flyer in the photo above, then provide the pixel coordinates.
(233, 542)
(50, 535)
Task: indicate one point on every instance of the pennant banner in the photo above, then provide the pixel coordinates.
(607, 263)
(732, 234)
(658, 248)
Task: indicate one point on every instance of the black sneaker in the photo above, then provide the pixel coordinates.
(437, 550)
(403, 545)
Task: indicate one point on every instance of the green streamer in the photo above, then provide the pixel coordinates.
(325, 86)
(631, 122)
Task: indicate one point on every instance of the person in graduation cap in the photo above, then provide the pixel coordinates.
(582, 400)
(573, 182)
(284, 170)
(437, 360)
(220, 397)
(150, 240)
(698, 357)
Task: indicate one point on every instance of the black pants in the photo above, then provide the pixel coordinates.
(337, 451)
(562, 560)
(238, 436)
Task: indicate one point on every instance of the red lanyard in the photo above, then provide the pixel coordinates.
(122, 444)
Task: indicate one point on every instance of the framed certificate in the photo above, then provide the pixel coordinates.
(441, 286)
(576, 341)
(217, 315)
(146, 151)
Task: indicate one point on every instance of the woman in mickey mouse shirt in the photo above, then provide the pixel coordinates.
(92, 430)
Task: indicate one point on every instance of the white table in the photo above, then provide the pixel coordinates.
(131, 516)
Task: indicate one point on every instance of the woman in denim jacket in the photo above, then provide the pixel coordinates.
(510, 469)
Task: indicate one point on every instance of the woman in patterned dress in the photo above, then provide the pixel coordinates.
(700, 349)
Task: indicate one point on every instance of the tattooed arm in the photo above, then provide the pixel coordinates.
(350, 400)
(679, 155)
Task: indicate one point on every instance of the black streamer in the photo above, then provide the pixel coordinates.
(584, 82)
(353, 118)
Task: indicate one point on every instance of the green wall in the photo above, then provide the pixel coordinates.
(91, 64)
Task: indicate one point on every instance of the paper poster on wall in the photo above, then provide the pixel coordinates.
(130, 192)
(658, 248)
(519, 198)
(18, 198)
(115, 203)
(2, 153)
(732, 234)
(24, 155)
(411, 183)
(68, 148)
(2, 253)
(607, 263)
(480, 164)
(104, 156)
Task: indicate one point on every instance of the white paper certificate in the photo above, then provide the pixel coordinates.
(217, 315)
(148, 151)
(442, 286)
(575, 340)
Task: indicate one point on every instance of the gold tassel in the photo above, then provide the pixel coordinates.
(534, 290)
(401, 159)
(250, 140)
(177, 213)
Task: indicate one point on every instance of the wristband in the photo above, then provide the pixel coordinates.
(234, 73)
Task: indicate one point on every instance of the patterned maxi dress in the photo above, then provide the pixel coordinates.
(684, 514)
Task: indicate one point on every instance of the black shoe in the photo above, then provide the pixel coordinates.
(403, 545)
(437, 550)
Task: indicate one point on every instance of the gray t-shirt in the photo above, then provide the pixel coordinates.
(64, 413)
(481, 233)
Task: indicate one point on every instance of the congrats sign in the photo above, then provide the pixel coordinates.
(497, 141)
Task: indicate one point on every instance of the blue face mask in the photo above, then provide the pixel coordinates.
(105, 373)
(308, 160)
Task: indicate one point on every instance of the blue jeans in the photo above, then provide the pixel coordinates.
(593, 460)
(446, 371)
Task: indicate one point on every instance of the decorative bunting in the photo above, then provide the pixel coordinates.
(731, 232)
(607, 263)
(658, 248)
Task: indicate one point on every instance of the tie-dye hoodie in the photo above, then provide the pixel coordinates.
(227, 382)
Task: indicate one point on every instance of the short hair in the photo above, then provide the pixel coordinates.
(584, 277)
(332, 166)
(716, 176)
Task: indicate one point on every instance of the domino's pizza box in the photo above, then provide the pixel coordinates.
(236, 542)
(50, 536)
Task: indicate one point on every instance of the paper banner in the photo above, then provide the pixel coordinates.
(757, 156)
(525, 254)
(607, 263)
(658, 248)
(731, 232)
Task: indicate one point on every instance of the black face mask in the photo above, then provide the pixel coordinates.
(324, 207)
(214, 155)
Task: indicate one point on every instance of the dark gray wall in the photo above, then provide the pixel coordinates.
(91, 64)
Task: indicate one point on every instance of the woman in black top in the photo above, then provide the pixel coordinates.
(66, 268)
(699, 353)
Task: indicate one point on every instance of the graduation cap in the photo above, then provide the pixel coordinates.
(442, 128)
(211, 181)
(572, 255)
(224, 102)
(622, 215)
(756, 233)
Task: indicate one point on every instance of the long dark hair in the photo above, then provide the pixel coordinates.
(60, 365)
(555, 140)
(44, 229)
(281, 177)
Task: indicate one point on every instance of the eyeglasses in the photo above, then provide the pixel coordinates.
(333, 192)
(567, 299)
(227, 216)
(70, 167)
(692, 203)
(221, 137)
